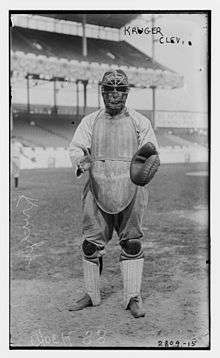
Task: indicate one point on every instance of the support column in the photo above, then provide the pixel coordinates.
(153, 59)
(85, 83)
(84, 39)
(99, 95)
(54, 96)
(28, 93)
(153, 106)
(152, 39)
(77, 98)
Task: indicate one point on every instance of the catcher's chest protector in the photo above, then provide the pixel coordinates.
(114, 142)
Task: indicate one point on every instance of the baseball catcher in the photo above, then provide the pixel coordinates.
(118, 148)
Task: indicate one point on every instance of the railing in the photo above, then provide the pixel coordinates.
(59, 157)
(163, 118)
(181, 119)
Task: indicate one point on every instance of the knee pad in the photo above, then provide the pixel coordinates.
(131, 248)
(89, 249)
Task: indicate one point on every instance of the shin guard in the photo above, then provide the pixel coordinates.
(92, 281)
(132, 277)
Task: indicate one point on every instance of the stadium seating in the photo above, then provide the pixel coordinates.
(59, 157)
(49, 134)
(57, 131)
(183, 136)
(35, 135)
(195, 137)
(46, 138)
(70, 47)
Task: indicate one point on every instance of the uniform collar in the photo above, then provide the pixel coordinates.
(123, 113)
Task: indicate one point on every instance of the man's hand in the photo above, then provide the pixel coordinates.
(84, 163)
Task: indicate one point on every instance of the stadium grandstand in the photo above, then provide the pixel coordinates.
(57, 61)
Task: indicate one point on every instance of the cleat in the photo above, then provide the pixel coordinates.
(82, 303)
(135, 307)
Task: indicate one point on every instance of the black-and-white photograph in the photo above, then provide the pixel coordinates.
(109, 179)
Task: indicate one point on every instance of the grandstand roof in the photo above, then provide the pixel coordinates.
(100, 19)
(70, 47)
(45, 46)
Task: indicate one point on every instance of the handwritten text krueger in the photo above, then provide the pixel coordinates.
(128, 30)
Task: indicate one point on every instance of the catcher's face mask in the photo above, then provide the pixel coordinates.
(114, 87)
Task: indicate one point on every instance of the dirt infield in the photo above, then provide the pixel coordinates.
(46, 269)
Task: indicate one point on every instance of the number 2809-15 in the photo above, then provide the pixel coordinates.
(176, 343)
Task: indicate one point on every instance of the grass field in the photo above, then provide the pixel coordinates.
(46, 269)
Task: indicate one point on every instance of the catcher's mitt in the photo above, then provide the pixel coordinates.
(144, 164)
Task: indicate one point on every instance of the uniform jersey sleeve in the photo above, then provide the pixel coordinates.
(81, 139)
(144, 130)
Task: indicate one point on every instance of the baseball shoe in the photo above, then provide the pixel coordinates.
(135, 307)
(82, 303)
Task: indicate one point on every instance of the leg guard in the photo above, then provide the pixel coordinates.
(92, 250)
(93, 253)
(131, 249)
(92, 281)
(132, 276)
(89, 249)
